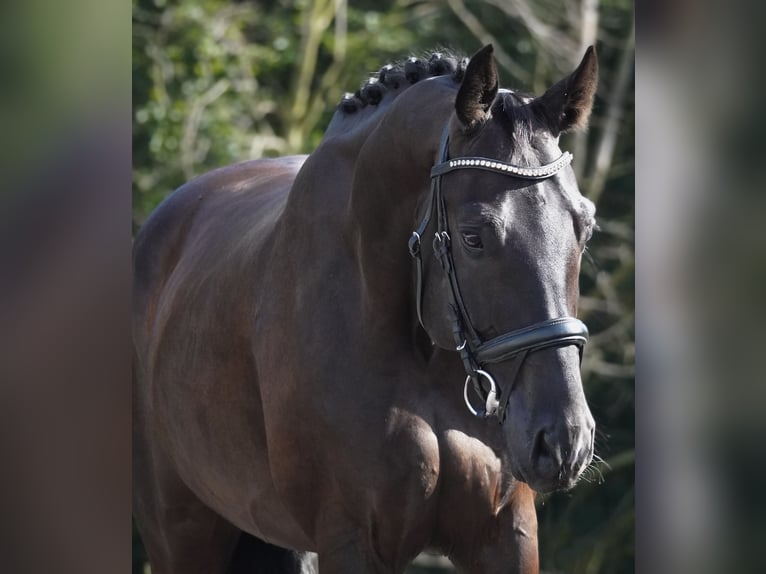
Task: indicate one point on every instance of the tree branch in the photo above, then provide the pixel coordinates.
(606, 147)
(485, 37)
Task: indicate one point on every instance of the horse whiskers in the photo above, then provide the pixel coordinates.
(592, 472)
(600, 460)
(584, 478)
(589, 476)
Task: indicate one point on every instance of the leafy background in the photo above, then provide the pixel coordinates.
(216, 82)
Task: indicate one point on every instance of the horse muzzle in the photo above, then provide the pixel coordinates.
(558, 455)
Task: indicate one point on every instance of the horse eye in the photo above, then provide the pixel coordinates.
(472, 241)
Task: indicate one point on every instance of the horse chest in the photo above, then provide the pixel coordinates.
(438, 470)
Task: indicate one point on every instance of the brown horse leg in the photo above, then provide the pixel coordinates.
(511, 544)
(181, 535)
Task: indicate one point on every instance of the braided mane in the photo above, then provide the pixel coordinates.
(357, 109)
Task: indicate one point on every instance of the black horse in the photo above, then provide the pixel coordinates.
(372, 350)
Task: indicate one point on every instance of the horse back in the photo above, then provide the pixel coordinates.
(222, 215)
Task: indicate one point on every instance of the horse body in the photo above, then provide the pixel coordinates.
(284, 387)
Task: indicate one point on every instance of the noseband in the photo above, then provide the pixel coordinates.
(475, 352)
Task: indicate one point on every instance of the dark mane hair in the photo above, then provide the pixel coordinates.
(360, 109)
(400, 75)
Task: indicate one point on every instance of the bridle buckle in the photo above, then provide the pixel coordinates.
(441, 247)
(414, 244)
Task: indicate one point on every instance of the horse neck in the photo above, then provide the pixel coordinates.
(392, 174)
(356, 197)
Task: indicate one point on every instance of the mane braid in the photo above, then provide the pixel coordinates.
(401, 75)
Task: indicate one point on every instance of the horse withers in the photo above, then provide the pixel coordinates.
(372, 350)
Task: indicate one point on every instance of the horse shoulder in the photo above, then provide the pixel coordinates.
(228, 206)
(196, 264)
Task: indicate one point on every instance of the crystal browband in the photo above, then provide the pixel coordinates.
(487, 164)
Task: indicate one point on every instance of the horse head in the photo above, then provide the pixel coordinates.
(499, 247)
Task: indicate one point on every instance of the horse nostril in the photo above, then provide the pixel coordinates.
(544, 447)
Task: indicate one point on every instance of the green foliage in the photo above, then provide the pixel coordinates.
(216, 81)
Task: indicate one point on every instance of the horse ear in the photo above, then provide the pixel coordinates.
(567, 104)
(478, 89)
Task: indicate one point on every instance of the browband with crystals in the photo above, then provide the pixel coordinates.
(541, 172)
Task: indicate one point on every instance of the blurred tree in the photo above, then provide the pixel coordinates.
(220, 81)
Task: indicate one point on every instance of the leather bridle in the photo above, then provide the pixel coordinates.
(475, 352)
